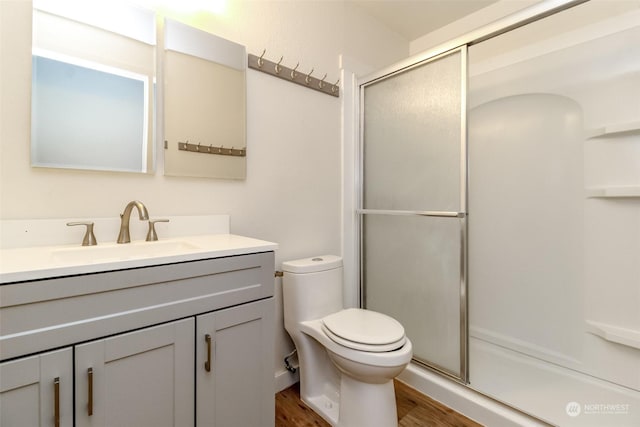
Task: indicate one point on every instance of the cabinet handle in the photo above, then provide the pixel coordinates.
(207, 364)
(56, 401)
(90, 400)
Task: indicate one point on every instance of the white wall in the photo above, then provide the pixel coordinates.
(292, 194)
(468, 23)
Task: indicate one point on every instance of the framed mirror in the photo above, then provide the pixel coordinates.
(204, 104)
(93, 78)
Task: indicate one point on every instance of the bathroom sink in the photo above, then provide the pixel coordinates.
(118, 252)
(42, 262)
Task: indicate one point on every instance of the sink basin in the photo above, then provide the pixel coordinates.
(119, 252)
(41, 262)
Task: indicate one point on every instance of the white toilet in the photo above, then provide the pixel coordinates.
(348, 357)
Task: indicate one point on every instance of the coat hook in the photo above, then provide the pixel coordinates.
(334, 87)
(278, 67)
(198, 147)
(293, 72)
(260, 60)
(307, 79)
(321, 84)
(209, 148)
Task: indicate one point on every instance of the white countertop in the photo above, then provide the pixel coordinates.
(42, 262)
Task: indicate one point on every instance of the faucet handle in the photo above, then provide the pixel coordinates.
(151, 235)
(89, 238)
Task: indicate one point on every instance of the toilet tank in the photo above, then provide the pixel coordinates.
(311, 288)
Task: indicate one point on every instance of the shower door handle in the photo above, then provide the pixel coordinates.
(440, 214)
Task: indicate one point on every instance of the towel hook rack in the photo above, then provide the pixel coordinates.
(277, 69)
(196, 148)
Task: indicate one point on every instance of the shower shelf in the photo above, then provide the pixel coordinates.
(615, 334)
(620, 129)
(627, 191)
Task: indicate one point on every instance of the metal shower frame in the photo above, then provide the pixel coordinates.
(511, 22)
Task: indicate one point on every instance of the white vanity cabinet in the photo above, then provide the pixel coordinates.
(133, 340)
(37, 390)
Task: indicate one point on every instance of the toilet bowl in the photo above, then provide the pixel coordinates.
(348, 357)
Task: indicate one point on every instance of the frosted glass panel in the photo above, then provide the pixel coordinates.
(412, 127)
(412, 273)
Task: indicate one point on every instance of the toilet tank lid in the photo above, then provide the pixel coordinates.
(312, 264)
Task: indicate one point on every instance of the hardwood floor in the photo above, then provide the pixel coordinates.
(414, 410)
(291, 412)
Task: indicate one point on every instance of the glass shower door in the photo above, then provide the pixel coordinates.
(413, 206)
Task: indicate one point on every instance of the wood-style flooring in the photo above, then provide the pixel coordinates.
(414, 410)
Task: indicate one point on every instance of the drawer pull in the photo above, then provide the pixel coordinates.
(90, 397)
(56, 401)
(207, 364)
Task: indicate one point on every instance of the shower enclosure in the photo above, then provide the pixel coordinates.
(414, 206)
(546, 119)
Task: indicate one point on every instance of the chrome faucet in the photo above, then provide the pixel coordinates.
(124, 236)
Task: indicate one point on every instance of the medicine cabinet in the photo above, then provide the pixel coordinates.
(94, 92)
(204, 104)
(93, 72)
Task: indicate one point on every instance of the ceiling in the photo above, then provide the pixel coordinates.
(415, 18)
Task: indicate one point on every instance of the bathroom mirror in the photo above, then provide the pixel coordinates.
(204, 104)
(93, 71)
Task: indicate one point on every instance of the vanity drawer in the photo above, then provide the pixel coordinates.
(40, 315)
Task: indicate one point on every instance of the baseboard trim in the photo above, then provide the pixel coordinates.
(285, 379)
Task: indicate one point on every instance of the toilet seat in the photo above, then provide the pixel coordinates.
(386, 359)
(364, 330)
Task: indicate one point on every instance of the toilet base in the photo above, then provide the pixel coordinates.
(324, 406)
(366, 404)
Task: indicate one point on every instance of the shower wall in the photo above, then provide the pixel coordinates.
(554, 216)
(526, 224)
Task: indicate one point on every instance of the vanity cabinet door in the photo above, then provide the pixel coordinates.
(141, 378)
(37, 390)
(234, 366)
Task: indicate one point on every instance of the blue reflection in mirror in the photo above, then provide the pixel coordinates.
(88, 117)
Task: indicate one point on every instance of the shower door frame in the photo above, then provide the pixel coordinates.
(513, 21)
(461, 214)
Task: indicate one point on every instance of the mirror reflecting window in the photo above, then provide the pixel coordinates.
(204, 104)
(92, 86)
